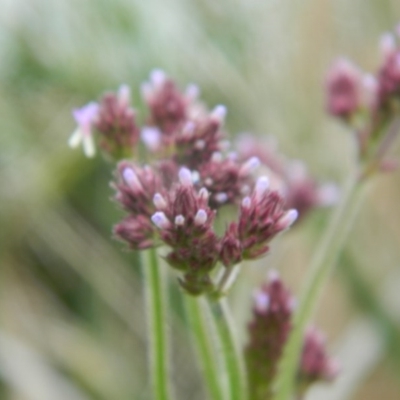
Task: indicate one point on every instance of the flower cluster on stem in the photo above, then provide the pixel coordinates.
(268, 332)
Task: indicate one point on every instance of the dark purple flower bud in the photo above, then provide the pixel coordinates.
(136, 187)
(116, 124)
(268, 332)
(231, 248)
(227, 180)
(262, 216)
(343, 87)
(389, 73)
(168, 106)
(315, 363)
(136, 231)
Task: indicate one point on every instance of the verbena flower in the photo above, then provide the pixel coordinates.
(85, 118)
(315, 363)
(116, 124)
(369, 103)
(269, 330)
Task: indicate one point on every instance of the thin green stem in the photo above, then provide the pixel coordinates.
(328, 250)
(156, 306)
(202, 333)
(231, 352)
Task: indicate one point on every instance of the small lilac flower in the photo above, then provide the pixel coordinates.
(168, 106)
(85, 118)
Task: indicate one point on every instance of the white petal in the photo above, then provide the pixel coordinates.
(88, 146)
(75, 139)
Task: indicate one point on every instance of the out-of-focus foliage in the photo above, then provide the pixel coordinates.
(72, 321)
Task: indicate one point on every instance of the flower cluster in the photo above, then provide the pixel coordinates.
(176, 198)
(369, 103)
(114, 122)
(268, 332)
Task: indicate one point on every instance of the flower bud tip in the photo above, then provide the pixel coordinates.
(179, 220)
(160, 220)
(159, 201)
(201, 217)
(262, 186)
(185, 176)
(219, 113)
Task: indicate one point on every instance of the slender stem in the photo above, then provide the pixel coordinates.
(231, 352)
(196, 311)
(156, 306)
(328, 250)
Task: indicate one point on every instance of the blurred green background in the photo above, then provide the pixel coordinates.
(72, 321)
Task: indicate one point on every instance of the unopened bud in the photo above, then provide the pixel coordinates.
(288, 219)
(249, 166)
(159, 201)
(246, 202)
(262, 186)
(157, 77)
(131, 179)
(221, 197)
(219, 113)
(151, 138)
(261, 301)
(160, 220)
(179, 220)
(201, 217)
(185, 176)
(203, 193)
(124, 95)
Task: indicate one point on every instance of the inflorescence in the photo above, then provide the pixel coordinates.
(191, 173)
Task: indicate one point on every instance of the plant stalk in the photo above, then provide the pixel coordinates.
(231, 352)
(202, 333)
(328, 250)
(156, 308)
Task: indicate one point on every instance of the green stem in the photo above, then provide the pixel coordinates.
(231, 351)
(156, 306)
(328, 250)
(196, 311)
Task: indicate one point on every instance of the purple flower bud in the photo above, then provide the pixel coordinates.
(249, 166)
(159, 201)
(343, 86)
(131, 179)
(315, 364)
(219, 113)
(288, 219)
(201, 217)
(160, 220)
(262, 186)
(185, 176)
(179, 220)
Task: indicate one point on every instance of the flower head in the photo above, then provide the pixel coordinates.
(343, 85)
(315, 363)
(116, 123)
(268, 332)
(85, 118)
(262, 216)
